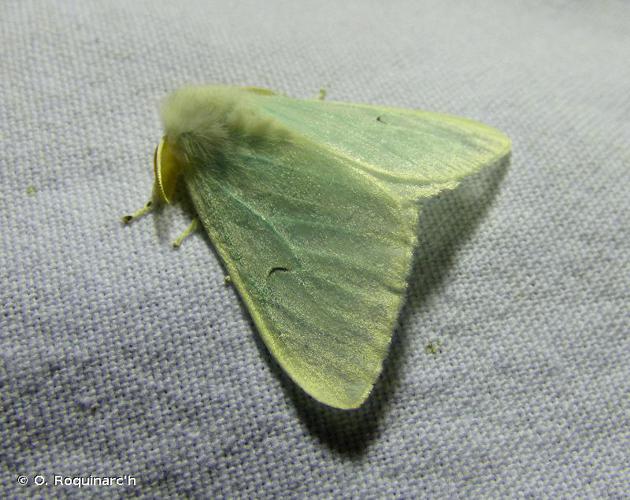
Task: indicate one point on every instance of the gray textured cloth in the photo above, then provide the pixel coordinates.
(510, 372)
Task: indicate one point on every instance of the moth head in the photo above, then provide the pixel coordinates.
(166, 168)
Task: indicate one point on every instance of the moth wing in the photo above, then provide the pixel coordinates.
(414, 153)
(320, 256)
(318, 232)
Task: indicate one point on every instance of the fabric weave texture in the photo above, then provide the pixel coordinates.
(509, 375)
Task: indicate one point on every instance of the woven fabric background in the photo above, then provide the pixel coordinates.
(510, 373)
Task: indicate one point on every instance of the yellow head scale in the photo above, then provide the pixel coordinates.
(166, 170)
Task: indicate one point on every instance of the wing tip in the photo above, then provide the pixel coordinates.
(342, 400)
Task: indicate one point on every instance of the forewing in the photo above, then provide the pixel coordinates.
(316, 225)
(320, 254)
(414, 153)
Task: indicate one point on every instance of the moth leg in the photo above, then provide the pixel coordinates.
(128, 219)
(187, 232)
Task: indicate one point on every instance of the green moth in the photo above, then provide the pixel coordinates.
(313, 207)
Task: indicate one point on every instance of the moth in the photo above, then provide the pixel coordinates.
(313, 208)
